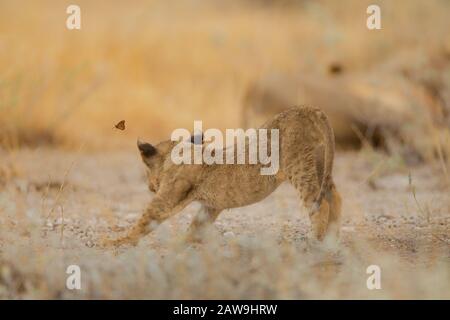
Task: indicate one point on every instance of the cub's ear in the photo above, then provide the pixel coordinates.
(146, 149)
(197, 138)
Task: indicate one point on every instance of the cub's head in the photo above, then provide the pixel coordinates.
(154, 157)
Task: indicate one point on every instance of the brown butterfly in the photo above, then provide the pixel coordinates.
(120, 125)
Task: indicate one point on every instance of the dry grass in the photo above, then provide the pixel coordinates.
(53, 218)
(243, 268)
(159, 67)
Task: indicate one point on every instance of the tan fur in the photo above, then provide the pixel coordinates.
(306, 157)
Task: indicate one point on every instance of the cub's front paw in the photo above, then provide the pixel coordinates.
(115, 243)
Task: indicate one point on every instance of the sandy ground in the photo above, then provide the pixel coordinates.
(98, 194)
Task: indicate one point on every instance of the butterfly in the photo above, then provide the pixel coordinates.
(120, 125)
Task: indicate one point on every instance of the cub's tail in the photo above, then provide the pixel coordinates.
(329, 146)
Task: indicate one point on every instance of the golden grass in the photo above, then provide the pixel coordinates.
(161, 66)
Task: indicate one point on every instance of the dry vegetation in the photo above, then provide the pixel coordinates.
(66, 177)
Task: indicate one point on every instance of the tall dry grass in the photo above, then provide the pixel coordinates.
(159, 66)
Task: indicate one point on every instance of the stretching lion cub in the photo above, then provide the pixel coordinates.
(306, 151)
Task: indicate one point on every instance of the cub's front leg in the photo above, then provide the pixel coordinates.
(170, 199)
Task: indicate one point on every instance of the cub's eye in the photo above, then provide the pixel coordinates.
(197, 139)
(146, 149)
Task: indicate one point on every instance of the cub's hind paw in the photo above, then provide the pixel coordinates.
(193, 238)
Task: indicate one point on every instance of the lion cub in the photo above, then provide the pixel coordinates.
(306, 151)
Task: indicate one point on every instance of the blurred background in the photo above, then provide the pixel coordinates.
(160, 65)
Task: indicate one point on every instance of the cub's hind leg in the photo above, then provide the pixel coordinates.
(334, 221)
(303, 176)
(320, 220)
(332, 198)
(204, 217)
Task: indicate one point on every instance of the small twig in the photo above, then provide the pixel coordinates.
(422, 211)
(45, 195)
(62, 223)
(374, 171)
(60, 190)
(442, 161)
(439, 238)
(413, 191)
(362, 137)
(61, 187)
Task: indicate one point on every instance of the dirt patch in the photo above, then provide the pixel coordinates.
(52, 213)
